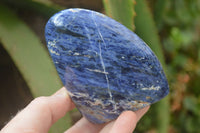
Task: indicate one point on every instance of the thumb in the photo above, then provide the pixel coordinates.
(40, 114)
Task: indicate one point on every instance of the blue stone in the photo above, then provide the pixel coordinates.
(105, 67)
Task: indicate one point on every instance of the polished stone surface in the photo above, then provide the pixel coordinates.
(105, 67)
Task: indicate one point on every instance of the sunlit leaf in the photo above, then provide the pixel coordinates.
(122, 11)
(47, 2)
(31, 58)
(146, 29)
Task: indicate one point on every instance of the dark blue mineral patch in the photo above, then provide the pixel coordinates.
(105, 67)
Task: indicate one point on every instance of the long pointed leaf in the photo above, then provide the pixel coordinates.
(30, 57)
(146, 29)
(121, 10)
(43, 8)
(159, 10)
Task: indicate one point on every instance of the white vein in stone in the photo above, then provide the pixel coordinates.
(53, 52)
(151, 88)
(96, 70)
(102, 62)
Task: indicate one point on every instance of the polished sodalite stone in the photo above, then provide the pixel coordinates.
(105, 67)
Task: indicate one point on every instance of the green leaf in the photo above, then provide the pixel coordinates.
(190, 103)
(146, 29)
(44, 8)
(180, 60)
(122, 11)
(159, 10)
(46, 2)
(30, 57)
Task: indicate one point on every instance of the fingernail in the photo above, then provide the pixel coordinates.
(141, 112)
(61, 93)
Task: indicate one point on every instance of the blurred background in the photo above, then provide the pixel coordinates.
(170, 27)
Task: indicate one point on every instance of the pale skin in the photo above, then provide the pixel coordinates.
(43, 112)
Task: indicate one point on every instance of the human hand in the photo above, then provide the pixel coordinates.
(43, 112)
